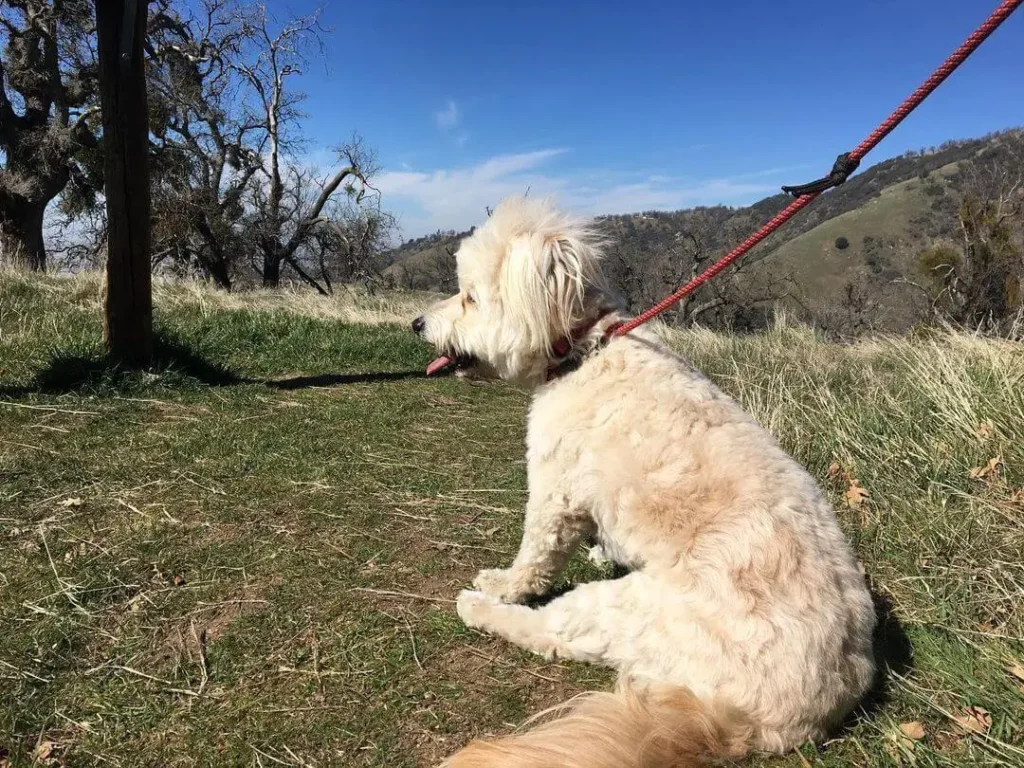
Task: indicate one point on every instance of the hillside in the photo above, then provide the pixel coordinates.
(248, 555)
(887, 213)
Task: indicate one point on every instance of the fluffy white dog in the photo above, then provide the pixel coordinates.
(744, 622)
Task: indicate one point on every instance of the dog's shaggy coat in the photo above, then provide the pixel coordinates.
(744, 622)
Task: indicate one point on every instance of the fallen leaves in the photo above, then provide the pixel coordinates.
(973, 720)
(984, 431)
(856, 495)
(1015, 669)
(43, 754)
(989, 470)
(913, 730)
(905, 739)
(73, 502)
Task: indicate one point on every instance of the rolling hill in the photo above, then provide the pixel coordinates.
(848, 262)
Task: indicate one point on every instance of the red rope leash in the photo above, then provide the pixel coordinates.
(844, 166)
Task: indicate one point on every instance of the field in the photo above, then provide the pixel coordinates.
(249, 556)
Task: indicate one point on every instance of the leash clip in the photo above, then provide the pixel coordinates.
(843, 167)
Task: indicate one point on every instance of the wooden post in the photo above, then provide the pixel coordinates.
(120, 31)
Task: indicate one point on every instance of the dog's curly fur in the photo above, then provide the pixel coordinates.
(745, 622)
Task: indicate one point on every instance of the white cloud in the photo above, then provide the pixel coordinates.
(456, 198)
(448, 118)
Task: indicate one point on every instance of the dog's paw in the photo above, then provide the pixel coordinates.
(499, 583)
(474, 607)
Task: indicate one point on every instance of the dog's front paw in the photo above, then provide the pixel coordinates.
(499, 583)
(474, 607)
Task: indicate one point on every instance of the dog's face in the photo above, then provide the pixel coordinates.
(525, 278)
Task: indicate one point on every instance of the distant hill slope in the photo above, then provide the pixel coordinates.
(886, 214)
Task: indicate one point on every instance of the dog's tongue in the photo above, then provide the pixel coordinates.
(439, 364)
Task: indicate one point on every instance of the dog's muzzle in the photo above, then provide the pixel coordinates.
(441, 362)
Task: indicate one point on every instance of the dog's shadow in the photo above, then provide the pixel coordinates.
(894, 655)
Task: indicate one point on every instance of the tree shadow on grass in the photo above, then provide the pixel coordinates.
(177, 365)
(340, 379)
(172, 360)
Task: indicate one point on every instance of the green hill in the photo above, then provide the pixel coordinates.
(887, 214)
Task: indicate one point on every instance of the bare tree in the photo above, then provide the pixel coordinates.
(232, 190)
(283, 218)
(352, 245)
(48, 114)
(648, 269)
(206, 143)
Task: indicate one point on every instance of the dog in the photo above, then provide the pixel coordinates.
(743, 621)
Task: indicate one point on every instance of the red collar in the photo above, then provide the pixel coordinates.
(563, 346)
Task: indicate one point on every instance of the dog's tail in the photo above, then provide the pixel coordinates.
(660, 727)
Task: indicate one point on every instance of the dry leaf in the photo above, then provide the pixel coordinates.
(947, 741)
(974, 720)
(988, 470)
(491, 531)
(991, 624)
(834, 469)
(984, 430)
(178, 580)
(43, 751)
(913, 730)
(1016, 669)
(856, 495)
(74, 501)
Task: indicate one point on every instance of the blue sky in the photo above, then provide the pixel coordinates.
(614, 106)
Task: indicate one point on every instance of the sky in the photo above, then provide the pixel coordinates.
(614, 107)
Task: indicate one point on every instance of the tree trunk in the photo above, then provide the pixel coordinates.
(21, 236)
(271, 270)
(129, 300)
(219, 272)
(216, 264)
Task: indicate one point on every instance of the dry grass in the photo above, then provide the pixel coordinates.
(348, 304)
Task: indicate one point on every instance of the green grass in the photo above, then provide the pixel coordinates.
(249, 556)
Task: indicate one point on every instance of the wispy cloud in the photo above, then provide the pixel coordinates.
(455, 198)
(448, 119)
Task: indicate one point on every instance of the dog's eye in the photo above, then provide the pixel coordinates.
(470, 298)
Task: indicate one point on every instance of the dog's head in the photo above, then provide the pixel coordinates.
(527, 277)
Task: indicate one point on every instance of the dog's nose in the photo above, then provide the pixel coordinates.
(418, 324)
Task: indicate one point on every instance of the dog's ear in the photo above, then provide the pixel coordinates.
(546, 281)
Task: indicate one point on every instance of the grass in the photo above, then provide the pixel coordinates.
(248, 556)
